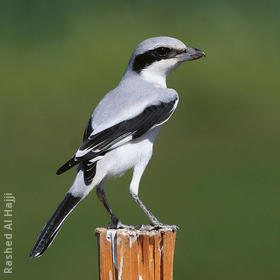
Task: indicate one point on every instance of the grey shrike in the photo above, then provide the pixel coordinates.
(121, 131)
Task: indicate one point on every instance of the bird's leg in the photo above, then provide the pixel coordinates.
(150, 215)
(115, 221)
(134, 186)
(102, 197)
(156, 224)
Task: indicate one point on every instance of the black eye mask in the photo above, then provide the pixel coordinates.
(145, 59)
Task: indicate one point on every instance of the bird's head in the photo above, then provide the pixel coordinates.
(154, 58)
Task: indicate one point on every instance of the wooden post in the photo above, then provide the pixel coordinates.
(136, 254)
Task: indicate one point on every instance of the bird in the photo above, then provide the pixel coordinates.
(121, 131)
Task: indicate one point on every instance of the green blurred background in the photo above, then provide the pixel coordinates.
(215, 169)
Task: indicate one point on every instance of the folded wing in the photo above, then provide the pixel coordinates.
(95, 146)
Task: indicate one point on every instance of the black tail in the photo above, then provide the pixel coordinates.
(52, 227)
(69, 164)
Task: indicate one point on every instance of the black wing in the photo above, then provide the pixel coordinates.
(89, 168)
(99, 144)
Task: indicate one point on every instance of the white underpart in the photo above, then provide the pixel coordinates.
(134, 154)
(156, 72)
(137, 174)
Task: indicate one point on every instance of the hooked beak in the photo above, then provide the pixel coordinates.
(190, 54)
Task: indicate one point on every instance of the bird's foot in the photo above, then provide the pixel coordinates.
(159, 225)
(117, 224)
(145, 227)
(156, 226)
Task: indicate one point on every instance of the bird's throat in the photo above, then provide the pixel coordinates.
(157, 79)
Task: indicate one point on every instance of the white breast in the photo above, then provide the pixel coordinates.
(125, 157)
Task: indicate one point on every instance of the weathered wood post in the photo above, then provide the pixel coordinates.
(136, 254)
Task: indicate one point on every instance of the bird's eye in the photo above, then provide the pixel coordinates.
(162, 51)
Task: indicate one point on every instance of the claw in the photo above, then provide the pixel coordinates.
(156, 226)
(164, 226)
(117, 224)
